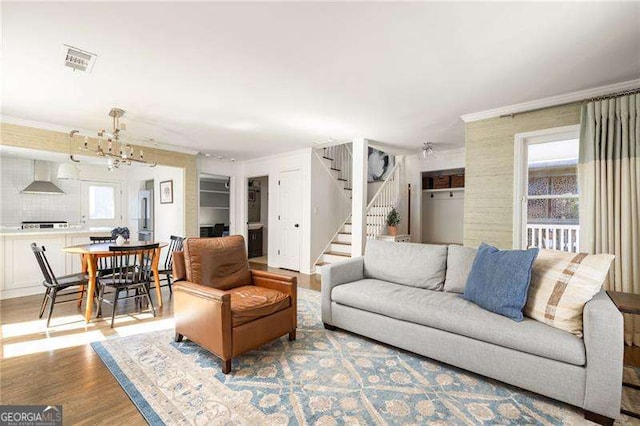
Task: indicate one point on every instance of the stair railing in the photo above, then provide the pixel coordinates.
(341, 156)
(386, 198)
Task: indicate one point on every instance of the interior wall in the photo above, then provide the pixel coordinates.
(330, 208)
(443, 217)
(489, 171)
(168, 219)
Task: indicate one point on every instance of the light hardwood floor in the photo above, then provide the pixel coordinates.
(73, 375)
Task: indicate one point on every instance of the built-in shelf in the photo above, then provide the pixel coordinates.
(215, 208)
(443, 190)
(211, 191)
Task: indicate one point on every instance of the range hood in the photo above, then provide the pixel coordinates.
(42, 180)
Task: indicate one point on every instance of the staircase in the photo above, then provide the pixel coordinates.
(338, 160)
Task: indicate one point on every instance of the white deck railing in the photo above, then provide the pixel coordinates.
(387, 197)
(556, 237)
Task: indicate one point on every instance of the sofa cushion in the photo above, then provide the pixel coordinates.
(449, 312)
(561, 284)
(416, 265)
(217, 262)
(252, 302)
(499, 280)
(459, 262)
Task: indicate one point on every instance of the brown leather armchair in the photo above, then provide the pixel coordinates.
(225, 307)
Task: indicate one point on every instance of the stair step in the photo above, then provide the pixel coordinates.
(344, 180)
(348, 189)
(338, 247)
(333, 258)
(327, 158)
(335, 253)
(337, 170)
(343, 238)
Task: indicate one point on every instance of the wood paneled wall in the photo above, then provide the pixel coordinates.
(48, 140)
(489, 173)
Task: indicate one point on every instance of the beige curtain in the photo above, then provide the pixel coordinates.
(609, 181)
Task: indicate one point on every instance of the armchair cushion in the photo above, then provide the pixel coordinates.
(217, 262)
(252, 302)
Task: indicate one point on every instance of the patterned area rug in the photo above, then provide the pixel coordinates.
(322, 378)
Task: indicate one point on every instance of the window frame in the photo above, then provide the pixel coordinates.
(521, 175)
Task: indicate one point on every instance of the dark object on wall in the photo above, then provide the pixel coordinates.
(166, 192)
(457, 181)
(443, 179)
(380, 165)
(441, 182)
(255, 242)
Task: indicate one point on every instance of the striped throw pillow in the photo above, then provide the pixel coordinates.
(561, 284)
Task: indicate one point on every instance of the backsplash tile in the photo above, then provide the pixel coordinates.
(15, 175)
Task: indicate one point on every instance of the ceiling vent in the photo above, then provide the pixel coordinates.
(78, 59)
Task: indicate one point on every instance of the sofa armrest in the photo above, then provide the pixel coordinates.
(283, 283)
(335, 274)
(203, 315)
(604, 344)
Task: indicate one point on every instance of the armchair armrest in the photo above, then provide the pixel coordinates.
(335, 274)
(283, 283)
(604, 344)
(178, 266)
(203, 315)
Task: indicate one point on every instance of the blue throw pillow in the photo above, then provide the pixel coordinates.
(499, 280)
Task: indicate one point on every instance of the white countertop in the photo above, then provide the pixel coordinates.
(9, 231)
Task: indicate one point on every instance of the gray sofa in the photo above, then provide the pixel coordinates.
(406, 295)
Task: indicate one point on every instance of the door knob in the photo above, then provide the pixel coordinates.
(296, 225)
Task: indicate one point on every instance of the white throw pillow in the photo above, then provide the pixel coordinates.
(561, 284)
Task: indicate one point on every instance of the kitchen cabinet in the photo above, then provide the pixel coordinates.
(255, 243)
(20, 274)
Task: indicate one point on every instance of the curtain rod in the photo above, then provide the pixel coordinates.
(598, 98)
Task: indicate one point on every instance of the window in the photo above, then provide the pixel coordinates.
(102, 202)
(552, 195)
(546, 212)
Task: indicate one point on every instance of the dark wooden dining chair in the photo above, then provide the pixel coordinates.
(104, 263)
(129, 272)
(54, 284)
(175, 244)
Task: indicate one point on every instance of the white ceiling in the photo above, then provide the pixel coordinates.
(251, 79)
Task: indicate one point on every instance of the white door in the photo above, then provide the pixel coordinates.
(289, 218)
(101, 204)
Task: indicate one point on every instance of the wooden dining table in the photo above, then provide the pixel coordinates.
(92, 252)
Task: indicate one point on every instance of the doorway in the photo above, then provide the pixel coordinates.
(214, 218)
(258, 219)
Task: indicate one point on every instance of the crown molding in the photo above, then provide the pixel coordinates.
(552, 101)
(65, 129)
